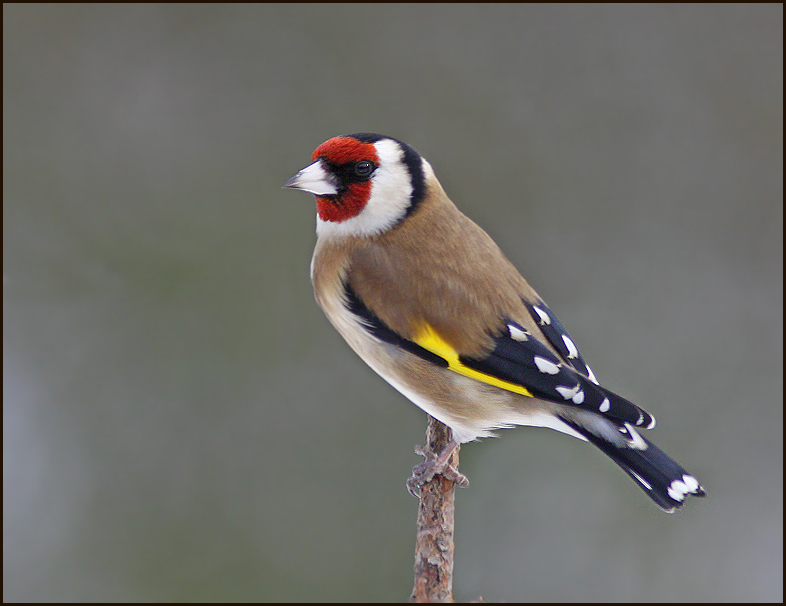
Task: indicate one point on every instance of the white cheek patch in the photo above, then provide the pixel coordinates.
(391, 185)
(389, 200)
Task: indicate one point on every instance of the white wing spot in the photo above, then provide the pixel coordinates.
(546, 366)
(591, 375)
(605, 405)
(544, 317)
(516, 333)
(579, 397)
(573, 352)
(567, 392)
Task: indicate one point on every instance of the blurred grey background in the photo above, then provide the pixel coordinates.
(180, 422)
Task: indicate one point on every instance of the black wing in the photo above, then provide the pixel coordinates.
(518, 357)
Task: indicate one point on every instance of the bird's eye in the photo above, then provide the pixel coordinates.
(364, 168)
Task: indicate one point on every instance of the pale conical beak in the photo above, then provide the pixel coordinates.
(314, 179)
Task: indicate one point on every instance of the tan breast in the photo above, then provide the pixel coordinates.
(437, 268)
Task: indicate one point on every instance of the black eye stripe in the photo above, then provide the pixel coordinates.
(352, 172)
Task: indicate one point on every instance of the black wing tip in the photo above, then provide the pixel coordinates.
(658, 475)
(674, 496)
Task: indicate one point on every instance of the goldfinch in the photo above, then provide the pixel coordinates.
(427, 299)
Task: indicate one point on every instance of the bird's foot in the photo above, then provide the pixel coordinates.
(435, 463)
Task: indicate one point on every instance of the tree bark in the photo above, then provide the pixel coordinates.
(434, 545)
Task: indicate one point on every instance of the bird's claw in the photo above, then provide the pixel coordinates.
(435, 464)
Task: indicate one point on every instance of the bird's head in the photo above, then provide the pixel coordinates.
(364, 183)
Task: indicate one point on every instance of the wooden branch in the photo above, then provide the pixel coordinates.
(434, 545)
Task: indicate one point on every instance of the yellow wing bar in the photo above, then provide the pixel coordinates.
(428, 339)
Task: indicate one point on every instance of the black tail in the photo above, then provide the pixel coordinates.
(664, 481)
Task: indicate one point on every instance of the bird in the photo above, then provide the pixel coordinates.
(429, 301)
